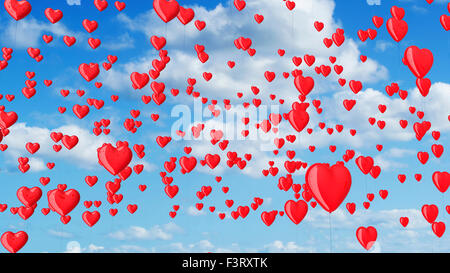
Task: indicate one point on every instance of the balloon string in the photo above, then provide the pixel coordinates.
(165, 26)
(365, 186)
(59, 229)
(399, 51)
(15, 34)
(111, 226)
(432, 245)
(62, 240)
(292, 23)
(331, 235)
(442, 206)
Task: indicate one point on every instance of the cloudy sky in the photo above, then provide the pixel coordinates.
(126, 34)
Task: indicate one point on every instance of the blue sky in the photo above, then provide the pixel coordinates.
(126, 34)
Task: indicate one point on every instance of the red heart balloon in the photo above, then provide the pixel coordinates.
(17, 9)
(296, 211)
(418, 60)
(63, 202)
(166, 9)
(329, 185)
(114, 159)
(13, 242)
(366, 236)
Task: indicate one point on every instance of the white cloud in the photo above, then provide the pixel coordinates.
(267, 201)
(177, 246)
(290, 247)
(383, 160)
(84, 154)
(203, 245)
(73, 2)
(373, 2)
(382, 45)
(385, 164)
(37, 164)
(224, 250)
(131, 248)
(436, 107)
(194, 211)
(172, 227)
(95, 248)
(73, 247)
(420, 9)
(223, 24)
(249, 71)
(61, 234)
(200, 246)
(124, 41)
(28, 33)
(156, 232)
(398, 153)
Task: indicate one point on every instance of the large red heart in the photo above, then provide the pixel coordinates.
(329, 185)
(438, 228)
(430, 212)
(163, 141)
(212, 160)
(63, 202)
(421, 128)
(53, 15)
(268, 217)
(418, 60)
(445, 21)
(185, 15)
(239, 4)
(26, 212)
(69, 141)
(158, 42)
(171, 191)
(7, 119)
(89, 71)
(188, 163)
(304, 84)
(397, 28)
(296, 211)
(365, 164)
(139, 80)
(90, 26)
(80, 110)
(397, 12)
(29, 197)
(17, 9)
(166, 10)
(366, 236)
(441, 180)
(298, 117)
(13, 242)
(114, 160)
(243, 211)
(101, 4)
(91, 218)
